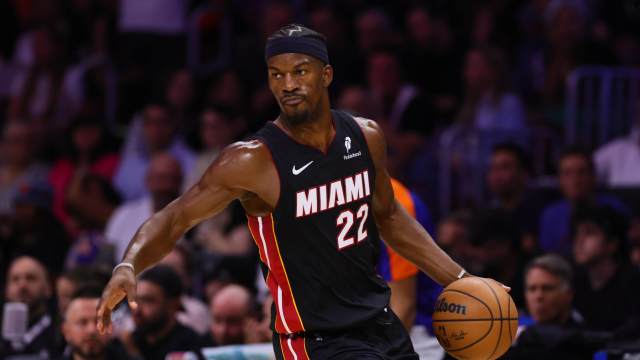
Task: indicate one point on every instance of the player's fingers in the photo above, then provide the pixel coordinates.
(104, 319)
(132, 296)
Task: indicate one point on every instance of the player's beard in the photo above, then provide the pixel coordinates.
(298, 118)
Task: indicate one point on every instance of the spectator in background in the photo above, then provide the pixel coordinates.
(216, 131)
(507, 180)
(36, 93)
(193, 312)
(159, 134)
(231, 308)
(87, 151)
(433, 62)
(495, 246)
(164, 181)
(91, 201)
(71, 281)
(179, 95)
(90, 85)
(335, 27)
(400, 109)
(374, 31)
(226, 233)
(604, 275)
(454, 237)
(158, 332)
(258, 329)
(80, 331)
(568, 46)
(28, 283)
(576, 175)
(556, 332)
(488, 105)
(149, 31)
(33, 230)
(18, 164)
(230, 270)
(617, 162)
(356, 100)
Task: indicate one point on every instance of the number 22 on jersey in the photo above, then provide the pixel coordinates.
(345, 222)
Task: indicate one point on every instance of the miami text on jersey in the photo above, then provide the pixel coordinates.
(336, 193)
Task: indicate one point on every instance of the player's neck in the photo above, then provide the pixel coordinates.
(318, 132)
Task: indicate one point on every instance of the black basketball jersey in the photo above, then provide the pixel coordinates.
(319, 246)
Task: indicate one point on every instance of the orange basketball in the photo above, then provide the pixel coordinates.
(475, 318)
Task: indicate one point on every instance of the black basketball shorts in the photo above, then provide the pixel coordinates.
(381, 338)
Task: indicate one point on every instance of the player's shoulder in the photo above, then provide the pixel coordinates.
(372, 133)
(368, 126)
(244, 155)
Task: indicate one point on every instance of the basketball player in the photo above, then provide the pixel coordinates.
(317, 195)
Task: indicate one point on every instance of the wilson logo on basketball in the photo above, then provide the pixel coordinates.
(443, 306)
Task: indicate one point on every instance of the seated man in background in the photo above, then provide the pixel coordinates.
(604, 278)
(507, 182)
(27, 283)
(80, 332)
(163, 182)
(69, 282)
(158, 332)
(556, 332)
(577, 178)
(231, 309)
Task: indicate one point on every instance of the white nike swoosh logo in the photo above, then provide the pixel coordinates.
(298, 171)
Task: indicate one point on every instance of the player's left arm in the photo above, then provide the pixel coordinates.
(398, 229)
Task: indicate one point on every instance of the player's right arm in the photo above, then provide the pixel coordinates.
(242, 170)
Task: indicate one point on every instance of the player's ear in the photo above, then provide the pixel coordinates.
(327, 75)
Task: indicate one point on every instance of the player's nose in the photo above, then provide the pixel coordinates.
(290, 83)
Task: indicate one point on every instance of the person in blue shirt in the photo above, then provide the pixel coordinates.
(577, 179)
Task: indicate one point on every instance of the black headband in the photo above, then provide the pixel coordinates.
(300, 45)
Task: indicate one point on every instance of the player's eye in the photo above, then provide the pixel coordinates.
(276, 75)
(302, 72)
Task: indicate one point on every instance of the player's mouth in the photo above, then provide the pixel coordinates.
(292, 100)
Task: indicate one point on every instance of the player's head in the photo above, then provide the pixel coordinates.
(548, 289)
(299, 72)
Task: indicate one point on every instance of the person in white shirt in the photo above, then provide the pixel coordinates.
(159, 134)
(163, 181)
(618, 162)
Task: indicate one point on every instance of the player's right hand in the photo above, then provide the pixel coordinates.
(121, 285)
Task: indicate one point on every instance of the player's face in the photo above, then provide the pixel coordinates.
(548, 299)
(298, 83)
(79, 329)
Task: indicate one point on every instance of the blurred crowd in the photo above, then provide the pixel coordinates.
(110, 109)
